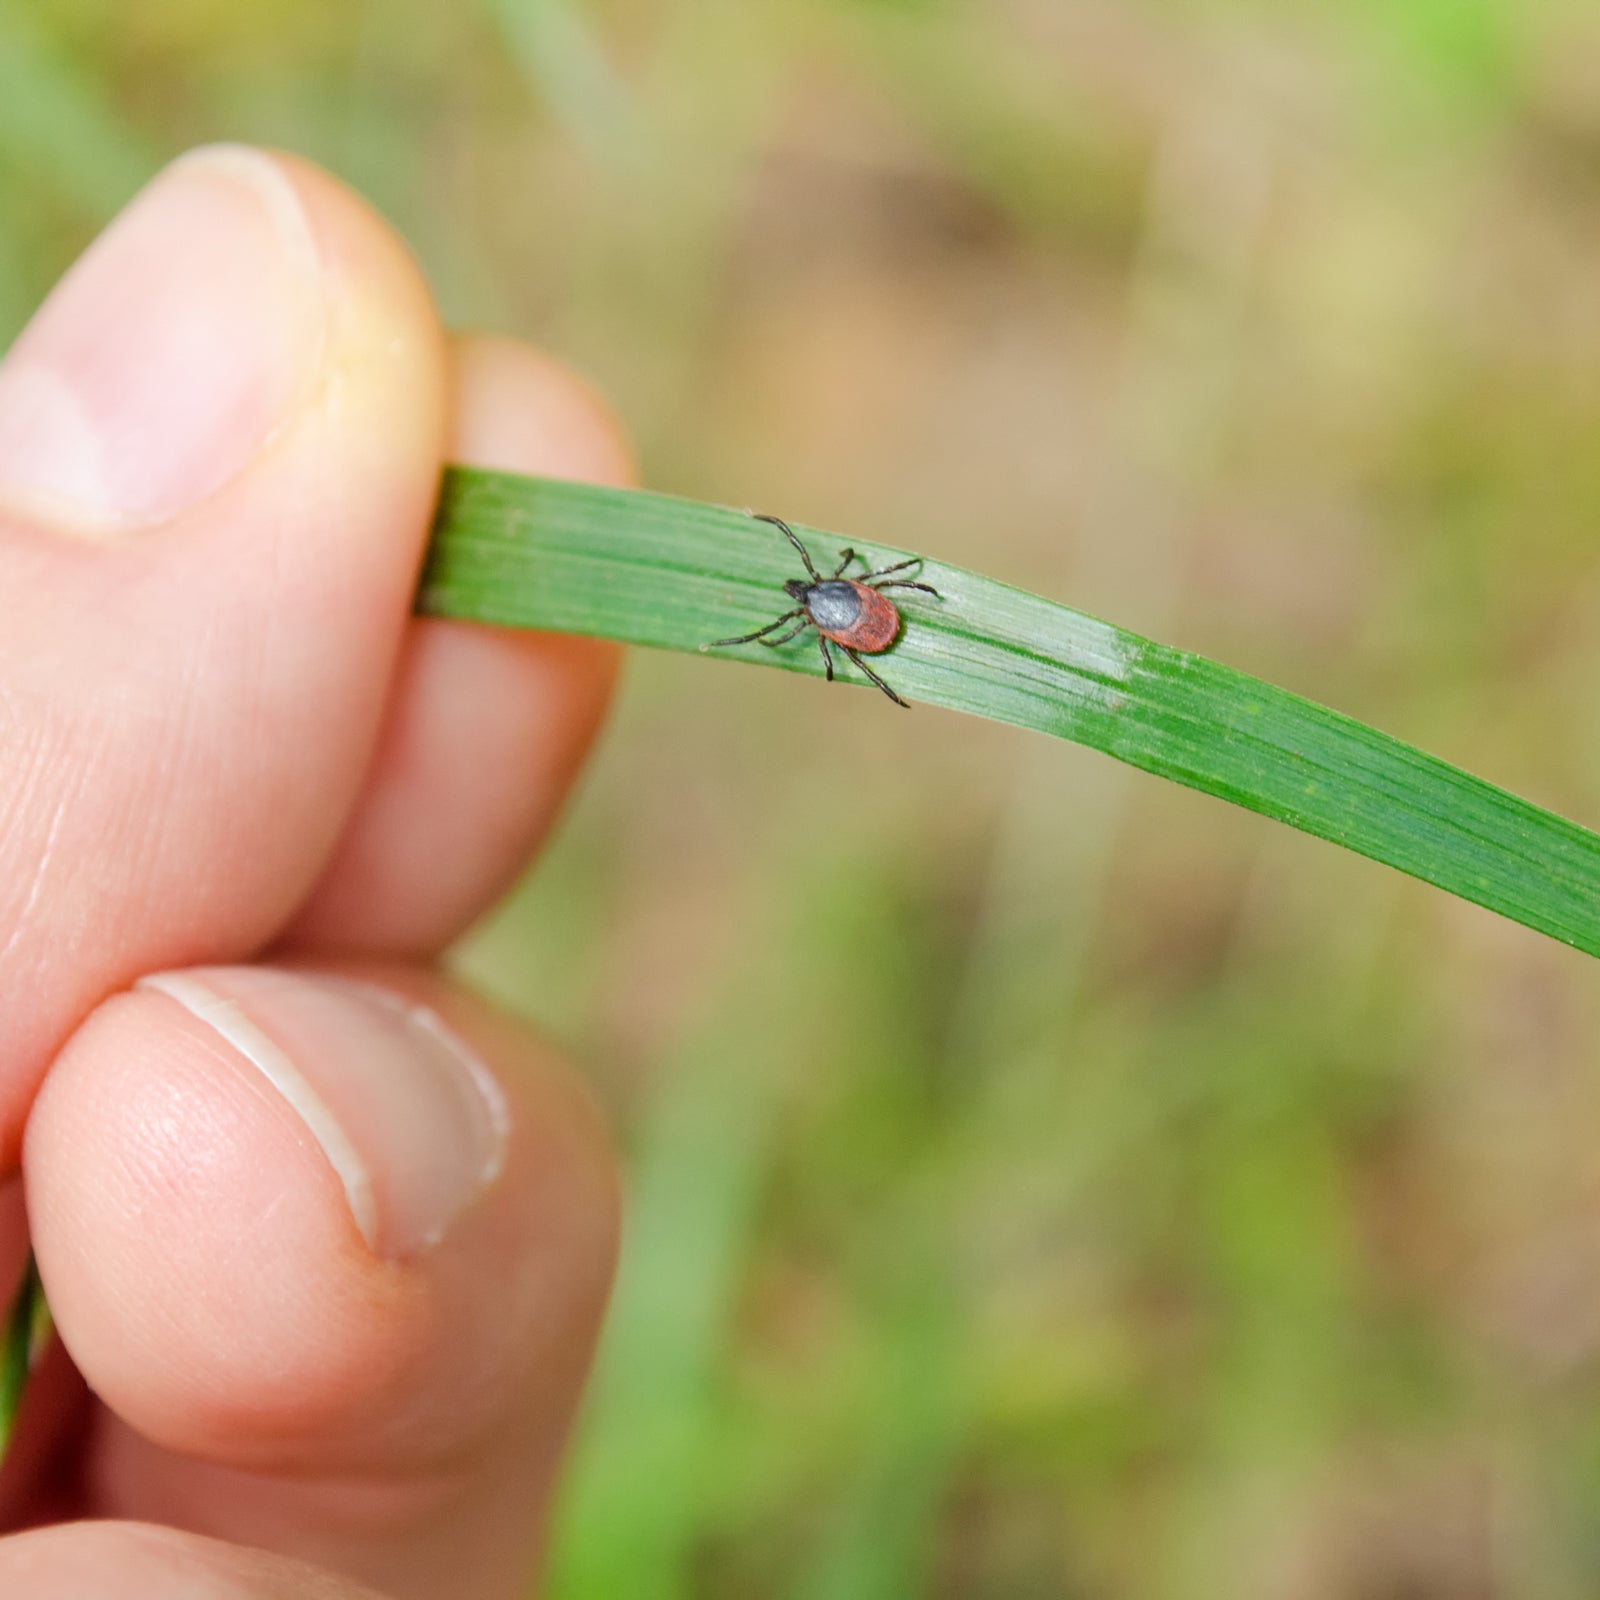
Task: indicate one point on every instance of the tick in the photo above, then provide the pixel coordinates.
(851, 612)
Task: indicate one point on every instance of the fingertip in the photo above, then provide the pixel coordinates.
(389, 358)
(192, 1240)
(199, 1166)
(487, 732)
(488, 728)
(518, 409)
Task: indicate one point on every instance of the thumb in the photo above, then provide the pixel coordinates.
(219, 445)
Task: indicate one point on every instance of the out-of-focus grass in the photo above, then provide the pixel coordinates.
(1170, 1197)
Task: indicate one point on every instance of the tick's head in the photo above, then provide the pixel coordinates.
(797, 589)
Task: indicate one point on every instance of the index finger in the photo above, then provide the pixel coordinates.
(486, 728)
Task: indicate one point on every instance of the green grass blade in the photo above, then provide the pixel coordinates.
(652, 570)
(18, 1341)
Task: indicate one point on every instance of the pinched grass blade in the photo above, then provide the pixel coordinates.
(19, 1340)
(671, 574)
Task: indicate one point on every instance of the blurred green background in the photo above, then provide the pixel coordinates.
(1043, 1180)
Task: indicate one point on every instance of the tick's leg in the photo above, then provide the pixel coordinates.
(783, 638)
(805, 555)
(855, 657)
(906, 583)
(844, 561)
(827, 656)
(749, 638)
(899, 566)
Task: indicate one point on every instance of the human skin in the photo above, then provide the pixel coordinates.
(327, 1257)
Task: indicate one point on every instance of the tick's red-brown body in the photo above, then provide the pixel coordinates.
(852, 613)
(877, 625)
(849, 613)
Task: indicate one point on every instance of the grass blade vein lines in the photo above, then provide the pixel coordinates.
(651, 570)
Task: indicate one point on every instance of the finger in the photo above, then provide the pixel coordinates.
(219, 444)
(133, 1561)
(487, 727)
(334, 1265)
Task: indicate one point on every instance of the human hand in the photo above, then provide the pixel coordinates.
(330, 1255)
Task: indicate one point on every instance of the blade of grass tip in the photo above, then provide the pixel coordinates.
(23, 1330)
(649, 569)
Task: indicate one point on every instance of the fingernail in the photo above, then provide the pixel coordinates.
(412, 1122)
(165, 358)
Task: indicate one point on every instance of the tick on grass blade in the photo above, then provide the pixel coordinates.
(851, 612)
